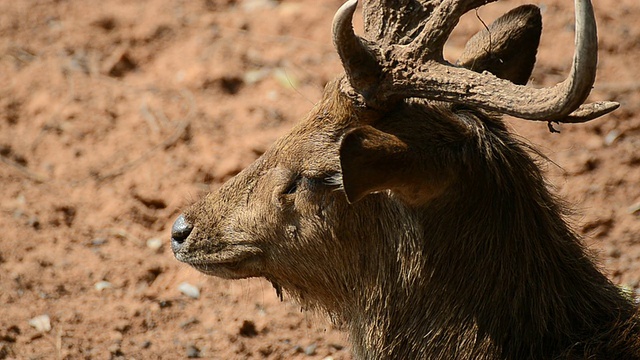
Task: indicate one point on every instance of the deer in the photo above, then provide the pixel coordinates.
(404, 208)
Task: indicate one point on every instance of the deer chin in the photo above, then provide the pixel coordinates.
(234, 262)
(232, 270)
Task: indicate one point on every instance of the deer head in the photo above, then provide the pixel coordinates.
(362, 196)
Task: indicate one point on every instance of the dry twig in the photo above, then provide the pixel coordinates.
(179, 132)
(31, 175)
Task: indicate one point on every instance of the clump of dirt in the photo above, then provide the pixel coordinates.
(115, 115)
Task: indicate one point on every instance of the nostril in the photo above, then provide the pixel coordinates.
(180, 232)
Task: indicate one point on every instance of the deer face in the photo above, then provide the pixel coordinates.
(316, 195)
(241, 230)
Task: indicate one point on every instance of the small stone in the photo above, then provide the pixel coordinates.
(265, 350)
(98, 241)
(256, 5)
(254, 76)
(101, 285)
(34, 222)
(116, 336)
(115, 349)
(311, 349)
(42, 323)
(154, 244)
(189, 290)
(611, 137)
(193, 352)
(634, 209)
(119, 64)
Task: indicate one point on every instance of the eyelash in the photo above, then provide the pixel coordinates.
(311, 182)
(293, 186)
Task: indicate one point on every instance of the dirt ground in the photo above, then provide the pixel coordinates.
(115, 115)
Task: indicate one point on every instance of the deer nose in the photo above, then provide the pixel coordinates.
(180, 232)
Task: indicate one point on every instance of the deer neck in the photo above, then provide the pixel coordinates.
(494, 273)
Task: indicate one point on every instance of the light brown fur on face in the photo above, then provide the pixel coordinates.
(425, 228)
(239, 213)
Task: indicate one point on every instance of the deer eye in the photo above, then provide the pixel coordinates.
(293, 186)
(314, 182)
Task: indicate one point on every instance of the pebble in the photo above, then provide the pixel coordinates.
(154, 244)
(101, 285)
(252, 77)
(34, 222)
(256, 5)
(611, 137)
(189, 290)
(193, 352)
(633, 209)
(311, 349)
(42, 323)
(115, 349)
(98, 241)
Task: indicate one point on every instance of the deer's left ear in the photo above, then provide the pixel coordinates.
(372, 160)
(508, 48)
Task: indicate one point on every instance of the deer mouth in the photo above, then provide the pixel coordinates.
(235, 262)
(238, 269)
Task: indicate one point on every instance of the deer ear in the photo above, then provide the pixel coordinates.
(508, 49)
(372, 160)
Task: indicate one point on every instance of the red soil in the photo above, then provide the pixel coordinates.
(115, 115)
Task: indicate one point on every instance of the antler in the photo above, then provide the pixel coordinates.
(397, 67)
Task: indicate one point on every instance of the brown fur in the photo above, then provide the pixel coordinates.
(452, 247)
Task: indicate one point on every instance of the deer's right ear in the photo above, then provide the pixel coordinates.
(508, 48)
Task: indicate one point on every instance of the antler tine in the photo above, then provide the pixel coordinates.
(441, 81)
(362, 60)
(439, 26)
(358, 59)
(590, 111)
